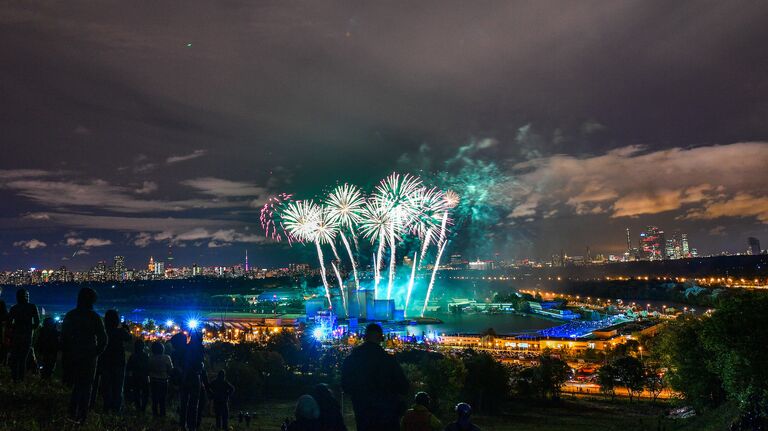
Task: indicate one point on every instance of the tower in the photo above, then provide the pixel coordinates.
(629, 243)
(246, 261)
(151, 266)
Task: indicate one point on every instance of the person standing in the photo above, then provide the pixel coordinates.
(137, 370)
(221, 390)
(48, 343)
(23, 320)
(3, 332)
(112, 362)
(375, 382)
(160, 369)
(83, 340)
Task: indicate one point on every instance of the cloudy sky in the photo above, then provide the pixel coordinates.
(129, 126)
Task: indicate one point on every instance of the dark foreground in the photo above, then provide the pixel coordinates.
(42, 406)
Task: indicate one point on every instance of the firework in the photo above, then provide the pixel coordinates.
(270, 218)
(400, 209)
(344, 206)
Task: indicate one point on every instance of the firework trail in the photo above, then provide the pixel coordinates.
(375, 225)
(271, 220)
(399, 207)
(410, 286)
(303, 219)
(400, 196)
(341, 288)
(432, 279)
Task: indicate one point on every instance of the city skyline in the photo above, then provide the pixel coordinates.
(126, 131)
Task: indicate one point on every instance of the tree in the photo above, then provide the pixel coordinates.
(654, 381)
(682, 351)
(550, 375)
(629, 371)
(487, 382)
(606, 378)
(444, 378)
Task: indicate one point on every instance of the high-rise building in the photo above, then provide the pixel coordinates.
(159, 268)
(119, 267)
(247, 268)
(652, 243)
(677, 246)
(151, 266)
(629, 243)
(754, 246)
(684, 245)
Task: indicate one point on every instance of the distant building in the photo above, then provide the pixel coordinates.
(481, 265)
(652, 244)
(754, 246)
(159, 268)
(119, 267)
(151, 265)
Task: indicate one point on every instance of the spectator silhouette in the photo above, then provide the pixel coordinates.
(307, 415)
(418, 417)
(137, 376)
(112, 362)
(178, 350)
(48, 343)
(23, 319)
(331, 418)
(221, 390)
(3, 333)
(83, 340)
(160, 370)
(463, 421)
(375, 382)
(192, 382)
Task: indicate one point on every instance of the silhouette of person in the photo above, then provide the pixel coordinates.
(160, 370)
(83, 340)
(192, 382)
(3, 332)
(418, 417)
(112, 362)
(48, 344)
(221, 390)
(23, 319)
(137, 376)
(331, 418)
(463, 421)
(375, 382)
(178, 343)
(307, 414)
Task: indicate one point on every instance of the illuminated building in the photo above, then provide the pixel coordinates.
(247, 268)
(151, 266)
(754, 246)
(159, 268)
(119, 267)
(652, 243)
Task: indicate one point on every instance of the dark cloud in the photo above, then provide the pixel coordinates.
(146, 117)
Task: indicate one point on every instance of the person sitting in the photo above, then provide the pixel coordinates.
(307, 415)
(418, 417)
(331, 418)
(463, 421)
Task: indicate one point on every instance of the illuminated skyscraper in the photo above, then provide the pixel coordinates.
(652, 243)
(119, 267)
(247, 268)
(151, 266)
(754, 246)
(684, 245)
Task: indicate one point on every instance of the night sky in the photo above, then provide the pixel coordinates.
(129, 126)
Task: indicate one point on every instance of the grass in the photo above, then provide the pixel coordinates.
(42, 406)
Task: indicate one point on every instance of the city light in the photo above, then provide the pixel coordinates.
(193, 323)
(169, 323)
